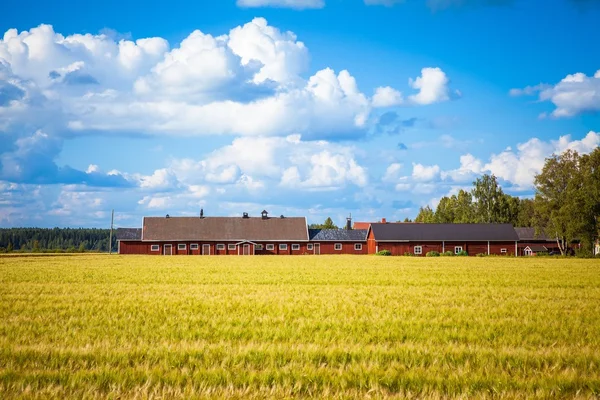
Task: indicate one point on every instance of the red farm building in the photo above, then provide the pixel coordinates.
(419, 239)
(266, 235)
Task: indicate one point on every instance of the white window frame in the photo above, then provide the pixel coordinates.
(503, 251)
(155, 247)
(258, 247)
(457, 249)
(270, 247)
(357, 246)
(309, 246)
(283, 246)
(220, 246)
(295, 247)
(338, 247)
(194, 246)
(418, 250)
(231, 246)
(527, 251)
(181, 246)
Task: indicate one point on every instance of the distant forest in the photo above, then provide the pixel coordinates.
(56, 239)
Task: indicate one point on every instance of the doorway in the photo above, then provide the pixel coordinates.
(317, 250)
(168, 250)
(206, 249)
(246, 251)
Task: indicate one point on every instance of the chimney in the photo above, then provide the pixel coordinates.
(202, 213)
(383, 221)
(349, 222)
(264, 214)
(245, 215)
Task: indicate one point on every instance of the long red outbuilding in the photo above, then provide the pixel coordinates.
(266, 235)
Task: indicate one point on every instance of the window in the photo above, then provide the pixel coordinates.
(258, 247)
(309, 246)
(337, 246)
(181, 246)
(155, 247)
(295, 247)
(358, 246)
(194, 246)
(220, 247)
(283, 246)
(231, 246)
(457, 249)
(270, 247)
(418, 250)
(527, 251)
(503, 251)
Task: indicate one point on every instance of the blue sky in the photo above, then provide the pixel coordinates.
(309, 107)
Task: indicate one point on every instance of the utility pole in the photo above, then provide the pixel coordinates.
(112, 219)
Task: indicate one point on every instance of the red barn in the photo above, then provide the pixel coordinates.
(338, 241)
(219, 236)
(419, 239)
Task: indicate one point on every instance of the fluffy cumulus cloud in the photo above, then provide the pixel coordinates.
(295, 4)
(518, 167)
(432, 86)
(250, 81)
(289, 162)
(386, 97)
(573, 95)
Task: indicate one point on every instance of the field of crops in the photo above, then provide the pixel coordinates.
(97, 326)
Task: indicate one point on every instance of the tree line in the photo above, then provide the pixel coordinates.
(566, 205)
(55, 239)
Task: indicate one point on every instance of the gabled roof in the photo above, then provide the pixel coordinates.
(361, 225)
(128, 233)
(447, 232)
(528, 234)
(338, 235)
(225, 228)
(537, 248)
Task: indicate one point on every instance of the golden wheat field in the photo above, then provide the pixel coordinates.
(99, 326)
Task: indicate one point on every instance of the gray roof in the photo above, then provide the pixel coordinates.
(225, 228)
(338, 235)
(447, 232)
(128, 234)
(528, 234)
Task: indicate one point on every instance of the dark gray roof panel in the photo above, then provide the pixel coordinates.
(341, 235)
(528, 234)
(439, 232)
(128, 234)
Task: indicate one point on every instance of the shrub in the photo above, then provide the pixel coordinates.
(462, 253)
(384, 253)
(432, 254)
(408, 254)
(448, 254)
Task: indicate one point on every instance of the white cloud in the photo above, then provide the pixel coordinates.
(392, 173)
(283, 58)
(425, 173)
(295, 4)
(386, 97)
(470, 168)
(161, 179)
(432, 86)
(573, 95)
(520, 167)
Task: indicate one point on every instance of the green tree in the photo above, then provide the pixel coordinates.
(328, 224)
(526, 215)
(558, 204)
(444, 212)
(425, 215)
(489, 200)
